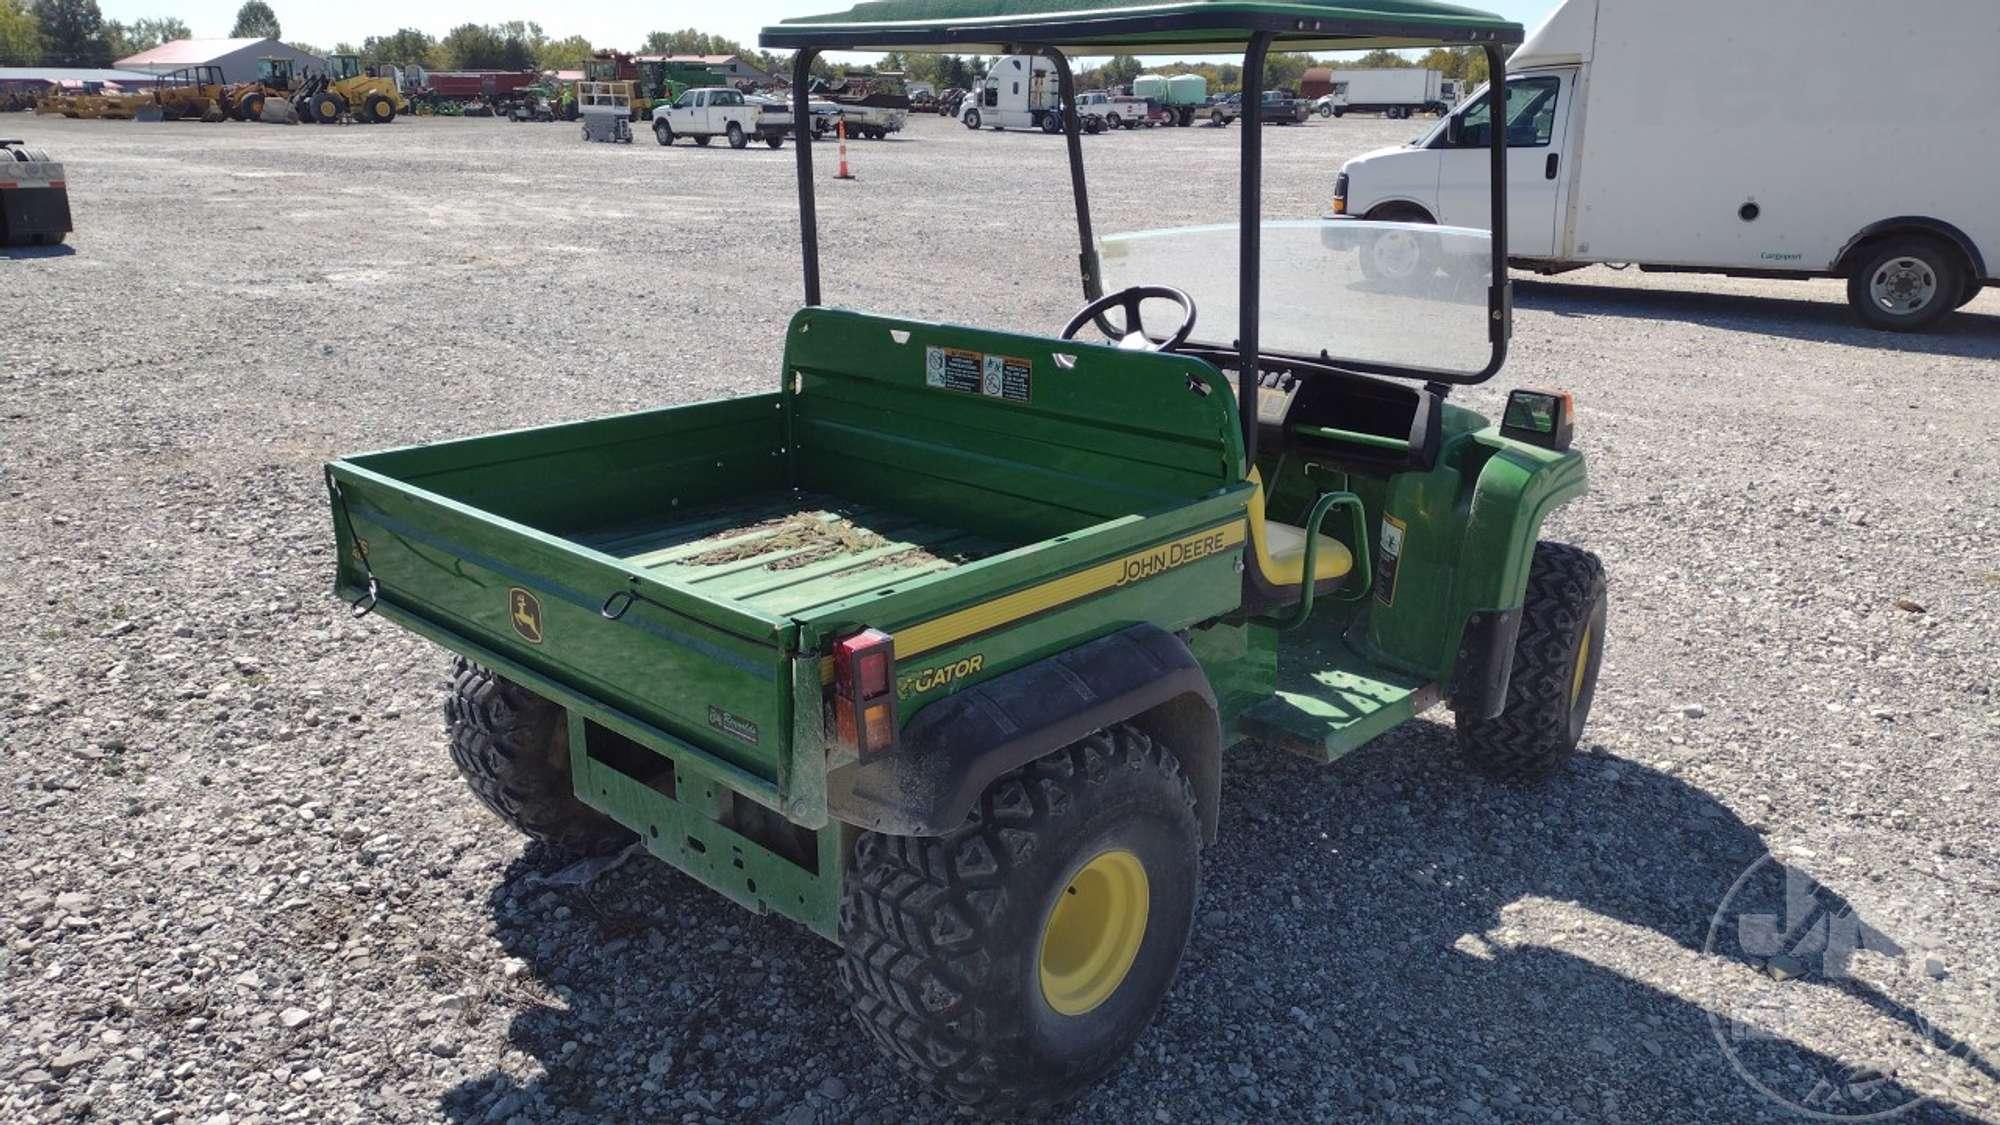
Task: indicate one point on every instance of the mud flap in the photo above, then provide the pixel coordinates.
(1485, 663)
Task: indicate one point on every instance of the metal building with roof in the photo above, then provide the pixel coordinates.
(237, 57)
(38, 78)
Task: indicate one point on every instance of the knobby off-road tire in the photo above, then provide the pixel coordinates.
(960, 967)
(512, 747)
(1556, 659)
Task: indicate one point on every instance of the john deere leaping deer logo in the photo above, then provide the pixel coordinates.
(526, 610)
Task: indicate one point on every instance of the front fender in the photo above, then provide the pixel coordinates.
(1518, 487)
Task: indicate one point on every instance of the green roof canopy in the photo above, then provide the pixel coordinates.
(1085, 27)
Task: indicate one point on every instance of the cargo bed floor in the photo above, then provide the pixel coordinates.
(791, 552)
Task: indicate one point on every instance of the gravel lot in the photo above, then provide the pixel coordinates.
(244, 883)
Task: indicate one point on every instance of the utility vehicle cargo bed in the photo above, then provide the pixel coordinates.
(788, 553)
(680, 574)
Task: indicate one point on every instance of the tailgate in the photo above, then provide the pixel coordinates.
(691, 674)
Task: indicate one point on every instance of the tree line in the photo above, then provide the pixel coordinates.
(519, 45)
(1286, 70)
(75, 33)
(1282, 71)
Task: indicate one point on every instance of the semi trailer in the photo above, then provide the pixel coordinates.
(1390, 91)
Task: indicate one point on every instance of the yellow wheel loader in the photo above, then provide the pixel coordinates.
(93, 104)
(348, 91)
(275, 85)
(192, 94)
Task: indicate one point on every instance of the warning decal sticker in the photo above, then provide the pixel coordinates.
(974, 373)
(1388, 558)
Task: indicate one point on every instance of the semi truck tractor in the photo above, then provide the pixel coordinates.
(1018, 92)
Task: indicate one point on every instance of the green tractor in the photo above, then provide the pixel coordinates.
(938, 647)
(663, 81)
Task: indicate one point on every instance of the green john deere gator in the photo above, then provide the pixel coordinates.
(936, 647)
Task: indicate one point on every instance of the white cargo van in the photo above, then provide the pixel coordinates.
(1782, 138)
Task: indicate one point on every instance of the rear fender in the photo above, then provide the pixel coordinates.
(955, 748)
(1518, 486)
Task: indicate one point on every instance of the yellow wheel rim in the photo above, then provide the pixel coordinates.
(1582, 666)
(1093, 934)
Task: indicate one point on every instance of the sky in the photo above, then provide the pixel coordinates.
(607, 23)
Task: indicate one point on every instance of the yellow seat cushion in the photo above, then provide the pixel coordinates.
(1280, 548)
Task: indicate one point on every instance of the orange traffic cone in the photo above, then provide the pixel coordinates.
(843, 174)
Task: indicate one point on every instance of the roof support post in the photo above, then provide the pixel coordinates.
(1072, 123)
(1500, 298)
(802, 61)
(1251, 238)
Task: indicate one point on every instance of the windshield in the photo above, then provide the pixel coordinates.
(1397, 294)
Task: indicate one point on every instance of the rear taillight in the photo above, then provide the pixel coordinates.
(864, 692)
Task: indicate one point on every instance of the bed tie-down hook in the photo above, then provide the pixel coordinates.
(614, 607)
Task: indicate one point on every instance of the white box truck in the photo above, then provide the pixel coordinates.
(1390, 91)
(1784, 138)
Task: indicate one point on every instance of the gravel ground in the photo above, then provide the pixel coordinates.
(244, 883)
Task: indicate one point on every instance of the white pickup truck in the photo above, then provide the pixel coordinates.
(717, 111)
(1116, 111)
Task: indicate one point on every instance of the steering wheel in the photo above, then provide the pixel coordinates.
(1134, 338)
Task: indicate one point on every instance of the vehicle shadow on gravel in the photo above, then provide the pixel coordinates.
(1360, 950)
(1400, 910)
(1965, 333)
(62, 250)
